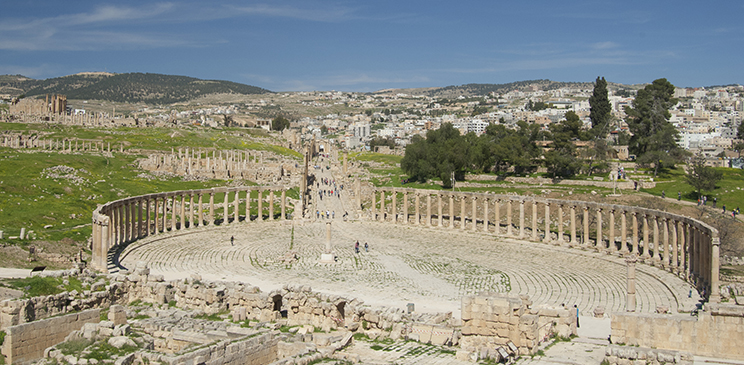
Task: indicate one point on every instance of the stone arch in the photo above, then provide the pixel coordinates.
(341, 307)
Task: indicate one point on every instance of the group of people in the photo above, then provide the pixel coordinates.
(356, 247)
(325, 215)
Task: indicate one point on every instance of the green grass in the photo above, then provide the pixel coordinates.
(673, 181)
(103, 351)
(40, 286)
(215, 317)
(74, 347)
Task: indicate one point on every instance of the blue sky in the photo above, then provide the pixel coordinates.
(379, 44)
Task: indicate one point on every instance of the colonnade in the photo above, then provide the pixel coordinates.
(679, 244)
(123, 221)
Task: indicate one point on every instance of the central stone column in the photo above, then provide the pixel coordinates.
(630, 305)
(327, 257)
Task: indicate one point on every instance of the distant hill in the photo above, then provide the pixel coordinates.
(128, 87)
(483, 89)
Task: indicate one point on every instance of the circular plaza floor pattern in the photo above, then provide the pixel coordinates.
(432, 268)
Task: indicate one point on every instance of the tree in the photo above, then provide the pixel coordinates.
(740, 130)
(701, 177)
(382, 141)
(738, 147)
(443, 152)
(561, 159)
(279, 123)
(653, 137)
(600, 109)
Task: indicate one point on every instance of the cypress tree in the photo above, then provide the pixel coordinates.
(600, 110)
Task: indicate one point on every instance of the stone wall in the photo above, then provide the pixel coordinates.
(257, 350)
(717, 332)
(27, 342)
(490, 322)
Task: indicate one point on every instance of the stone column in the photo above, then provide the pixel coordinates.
(284, 204)
(634, 237)
(600, 241)
(417, 216)
(183, 211)
(248, 205)
(715, 263)
(173, 213)
(665, 242)
(674, 259)
(226, 208)
(191, 209)
(682, 238)
(462, 211)
(236, 207)
(428, 209)
(105, 242)
(140, 231)
(271, 205)
(485, 214)
(211, 208)
(374, 205)
(157, 215)
(509, 217)
(475, 212)
(630, 260)
(394, 206)
(546, 239)
(327, 256)
(127, 221)
(439, 210)
(645, 237)
(521, 219)
(623, 232)
(451, 211)
(573, 225)
(148, 219)
(358, 194)
(534, 220)
(405, 207)
(657, 252)
(201, 209)
(587, 243)
(260, 205)
(560, 224)
(382, 205)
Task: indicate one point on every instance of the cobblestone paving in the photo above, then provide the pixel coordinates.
(408, 263)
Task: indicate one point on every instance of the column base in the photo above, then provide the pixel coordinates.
(327, 258)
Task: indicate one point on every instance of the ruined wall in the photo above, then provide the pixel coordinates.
(26, 342)
(257, 350)
(716, 332)
(489, 322)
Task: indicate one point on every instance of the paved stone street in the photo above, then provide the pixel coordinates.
(428, 267)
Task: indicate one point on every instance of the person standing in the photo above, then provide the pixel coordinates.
(366, 247)
(577, 315)
(232, 240)
(356, 247)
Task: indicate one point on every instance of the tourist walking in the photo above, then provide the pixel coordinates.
(366, 247)
(356, 247)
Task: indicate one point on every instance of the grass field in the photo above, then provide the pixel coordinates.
(729, 191)
(32, 198)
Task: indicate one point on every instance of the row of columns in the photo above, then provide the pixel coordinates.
(134, 218)
(69, 145)
(675, 243)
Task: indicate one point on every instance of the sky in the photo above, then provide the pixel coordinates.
(379, 44)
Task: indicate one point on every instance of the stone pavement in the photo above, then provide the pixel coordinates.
(431, 268)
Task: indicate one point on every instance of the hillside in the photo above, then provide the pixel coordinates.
(128, 87)
(469, 90)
